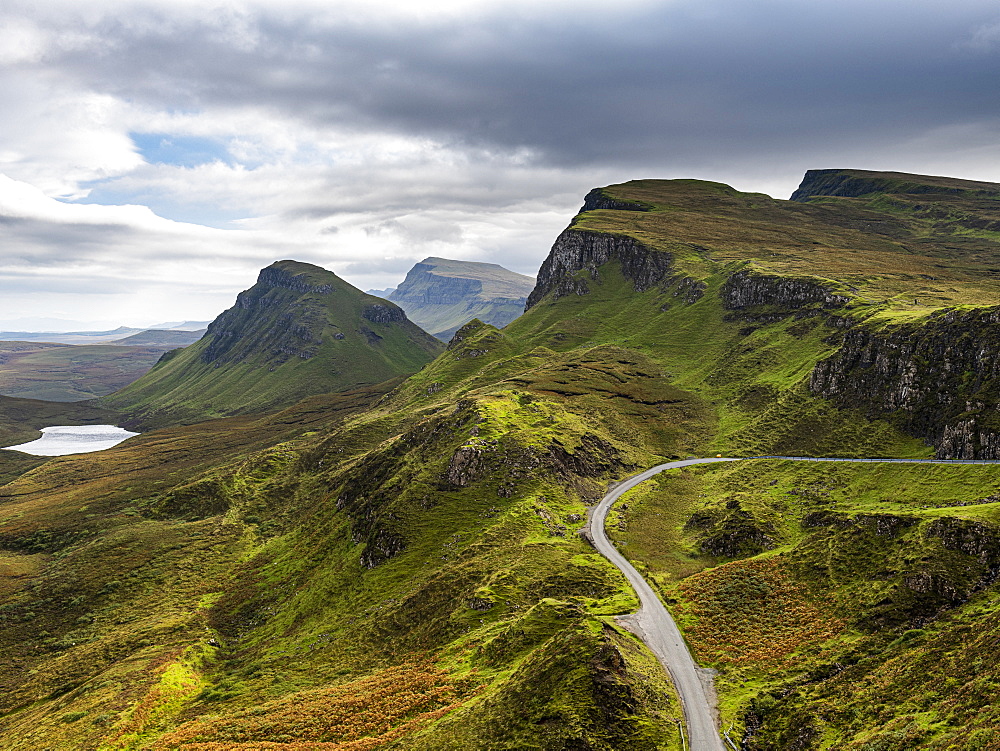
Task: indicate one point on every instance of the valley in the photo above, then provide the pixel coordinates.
(337, 532)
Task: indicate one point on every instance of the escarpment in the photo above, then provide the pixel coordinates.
(747, 289)
(599, 199)
(855, 183)
(940, 379)
(576, 251)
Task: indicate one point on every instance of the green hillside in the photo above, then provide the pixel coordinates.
(442, 295)
(301, 330)
(400, 567)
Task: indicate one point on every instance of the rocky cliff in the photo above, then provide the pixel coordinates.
(747, 289)
(442, 295)
(939, 378)
(576, 251)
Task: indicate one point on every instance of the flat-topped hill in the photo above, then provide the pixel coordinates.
(442, 295)
(939, 247)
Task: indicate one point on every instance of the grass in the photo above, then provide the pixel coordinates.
(70, 373)
(400, 565)
(837, 583)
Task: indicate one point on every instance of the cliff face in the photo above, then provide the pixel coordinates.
(598, 199)
(855, 183)
(941, 379)
(746, 289)
(578, 250)
(442, 295)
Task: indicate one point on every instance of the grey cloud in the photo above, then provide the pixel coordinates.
(678, 83)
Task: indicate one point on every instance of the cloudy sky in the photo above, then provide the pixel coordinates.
(154, 155)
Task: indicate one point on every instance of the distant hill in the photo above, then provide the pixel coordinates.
(181, 325)
(71, 373)
(442, 295)
(300, 330)
(112, 336)
(381, 292)
(69, 337)
(162, 337)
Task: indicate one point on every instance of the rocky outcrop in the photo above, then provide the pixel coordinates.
(598, 199)
(381, 313)
(939, 380)
(731, 532)
(749, 289)
(274, 276)
(577, 251)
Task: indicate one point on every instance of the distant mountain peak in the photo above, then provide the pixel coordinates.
(442, 294)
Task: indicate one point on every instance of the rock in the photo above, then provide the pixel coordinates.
(582, 250)
(748, 289)
(935, 378)
(386, 313)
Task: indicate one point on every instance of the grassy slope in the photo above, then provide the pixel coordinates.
(286, 349)
(287, 595)
(840, 617)
(67, 373)
(433, 534)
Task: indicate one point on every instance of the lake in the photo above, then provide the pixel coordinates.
(60, 440)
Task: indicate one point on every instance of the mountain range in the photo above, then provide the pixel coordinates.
(339, 533)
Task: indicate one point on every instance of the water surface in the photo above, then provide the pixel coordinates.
(60, 440)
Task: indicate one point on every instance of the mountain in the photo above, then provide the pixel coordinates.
(380, 292)
(441, 295)
(300, 330)
(405, 565)
(180, 325)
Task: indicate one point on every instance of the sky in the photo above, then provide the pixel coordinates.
(155, 155)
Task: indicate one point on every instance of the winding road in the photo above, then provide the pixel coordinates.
(653, 624)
